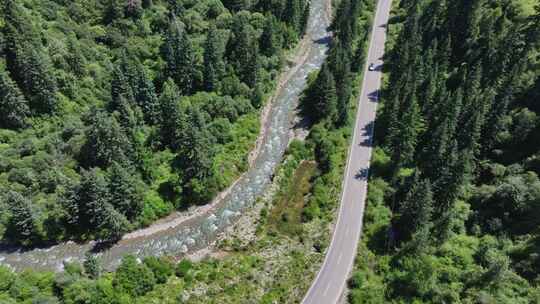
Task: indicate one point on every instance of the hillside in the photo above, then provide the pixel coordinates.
(115, 113)
(454, 199)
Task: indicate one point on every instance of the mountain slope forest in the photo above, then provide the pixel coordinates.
(277, 260)
(453, 210)
(116, 112)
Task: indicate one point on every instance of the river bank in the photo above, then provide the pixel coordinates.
(196, 229)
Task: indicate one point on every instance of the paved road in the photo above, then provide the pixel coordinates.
(331, 279)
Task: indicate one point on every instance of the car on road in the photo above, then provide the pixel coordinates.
(371, 67)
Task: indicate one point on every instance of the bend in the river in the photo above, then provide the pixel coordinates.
(198, 231)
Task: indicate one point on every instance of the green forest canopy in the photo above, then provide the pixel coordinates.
(291, 215)
(115, 112)
(454, 202)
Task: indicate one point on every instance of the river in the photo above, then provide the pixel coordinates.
(199, 231)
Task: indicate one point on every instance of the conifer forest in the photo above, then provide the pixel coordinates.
(115, 114)
(453, 211)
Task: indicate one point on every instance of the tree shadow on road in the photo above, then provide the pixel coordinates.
(374, 96)
(362, 174)
(367, 133)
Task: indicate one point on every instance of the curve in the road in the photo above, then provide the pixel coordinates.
(329, 283)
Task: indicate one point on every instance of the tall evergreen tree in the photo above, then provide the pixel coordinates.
(105, 141)
(321, 99)
(195, 156)
(270, 38)
(237, 5)
(22, 226)
(128, 115)
(443, 133)
(342, 23)
(114, 11)
(145, 94)
(214, 65)
(304, 19)
(133, 9)
(292, 14)
(195, 143)
(416, 210)
(87, 201)
(179, 56)
(170, 114)
(92, 266)
(13, 106)
(26, 61)
(244, 53)
(75, 57)
(126, 190)
(340, 62)
(407, 133)
(113, 225)
(120, 89)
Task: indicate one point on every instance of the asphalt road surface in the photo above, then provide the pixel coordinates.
(332, 277)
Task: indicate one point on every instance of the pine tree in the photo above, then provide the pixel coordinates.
(407, 133)
(114, 11)
(237, 5)
(195, 143)
(416, 210)
(170, 113)
(18, 33)
(105, 141)
(147, 3)
(195, 156)
(128, 115)
(304, 19)
(434, 158)
(13, 106)
(130, 83)
(321, 98)
(120, 89)
(532, 29)
(113, 225)
(26, 60)
(342, 23)
(89, 210)
(293, 13)
(214, 65)
(270, 39)
(339, 60)
(22, 226)
(324, 148)
(92, 200)
(75, 57)
(125, 189)
(145, 94)
(39, 85)
(244, 53)
(178, 53)
(495, 121)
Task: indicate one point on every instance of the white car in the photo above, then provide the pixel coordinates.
(371, 67)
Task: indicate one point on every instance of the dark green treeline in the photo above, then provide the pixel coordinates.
(457, 163)
(114, 113)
